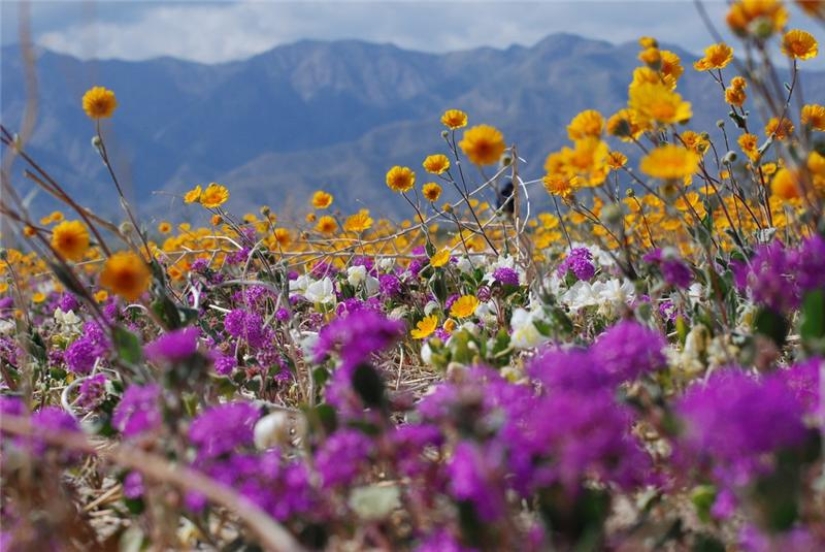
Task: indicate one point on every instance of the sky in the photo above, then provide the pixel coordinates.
(219, 31)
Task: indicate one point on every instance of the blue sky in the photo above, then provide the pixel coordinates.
(217, 31)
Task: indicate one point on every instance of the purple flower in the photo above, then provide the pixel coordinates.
(389, 285)
(358, 335)
(221, 429)
(770, 277)
(578, 261)
(572, 370)
(246, 325)
(475, 476)
(53, 420)
(173, 346)
(342, 457)
(133, 485)
(138, 411)
(224, 364)
(68, 302)
(506, 276)
(629, 350)
(81, 356)
(731, 422)
(443, 541)
(92, 392)
(803, 380)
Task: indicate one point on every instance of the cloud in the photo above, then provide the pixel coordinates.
(220, 31)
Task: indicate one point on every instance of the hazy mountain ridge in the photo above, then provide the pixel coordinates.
(310, 115)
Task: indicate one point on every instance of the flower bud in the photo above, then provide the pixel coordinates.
(96, 141)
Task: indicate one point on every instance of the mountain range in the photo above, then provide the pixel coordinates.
(315, 115)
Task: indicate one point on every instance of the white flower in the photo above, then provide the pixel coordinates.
(356, 275)
(426, 353)
(272, 430)
(525, 334)
(464, 265)
(386, 264)
(375, 502)
(68, 322)
(614, 294)
(299, 284)
(321, 291)
(7, 327)
(373, 285)
(581, 295)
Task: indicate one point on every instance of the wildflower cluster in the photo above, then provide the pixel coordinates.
(640, 367)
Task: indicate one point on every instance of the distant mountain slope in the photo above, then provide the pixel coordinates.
(310, 115)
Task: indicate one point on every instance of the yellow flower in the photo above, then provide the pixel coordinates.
(785, 185)
(400, 179)
(425, 327)
(670, 162)
(671, 68)
(651, 57)
(695, 142)
(440, 259)
(126, 274)
(282, 237)
(326, 225)
(813, 115)
(464, 306)
(735, 95)
(321, 200)
(358, 222)
(799, 44)
(55, 216)
(624, 124)
(214, 196)
(193, 195)
(454, 118)
(436, 164)
(38, 297)
(71, 239)
(779, 129)
(29, 231)
(648, 42)
(431, 191)
(814, 8)
(816, 164)
(99, 103)
(616, 160)
(164, 227)
(215, 219)
(765, 16)
(311, 217)
(483, 144)
(588, 123)
(655, 102)
(717, 56)
(558, 185)
(750, 146)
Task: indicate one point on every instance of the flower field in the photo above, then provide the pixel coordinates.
(638, 368)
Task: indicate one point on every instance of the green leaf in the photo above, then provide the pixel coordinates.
(703, 498)
(369, 385)
(812, 328)
(773, 325)
(127, 345)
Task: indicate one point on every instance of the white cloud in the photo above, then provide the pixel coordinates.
(220, 31)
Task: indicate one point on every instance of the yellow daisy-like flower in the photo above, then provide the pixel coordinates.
(747, 16)
(436, 164)
(282, 237)
(816, 164)
(101, 295)
(358, 222)
(126, 274)
(813, 115)
(214, 196)
(735, 95)
(696, 142)
(587, 124)
(616, 160)
(785, 185)
(652, 57)
(814, 8)
(779, 129)
(400, 179)
(311, 217)
(449, 325)
(321, 200)
(464, 306)
(164, 227)
(750, 146)
(99, 102)
(71, 239)
(483, 144)
(658, 103)
(431, 191)
(38, 297)
(55, 216)
(558, 185)
(440, 259)
(454, 118)
(193, 195)
(671, 68)
(799, 44)
(425, 327)
(648, 42)
(29, 231)
(717, 56)
(670, 162)
(326, 225)
(625, 124)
